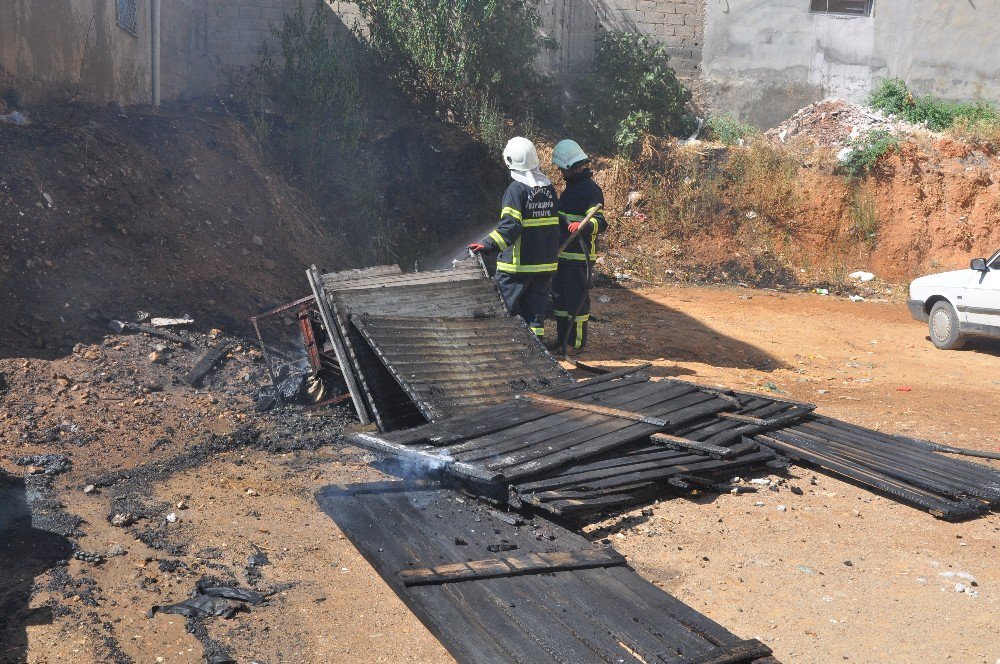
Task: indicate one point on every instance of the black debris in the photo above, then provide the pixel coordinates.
(89, 557)
(201, 606)
(211, 600)
(53, 464)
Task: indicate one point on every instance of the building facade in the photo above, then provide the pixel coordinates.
(760, 59)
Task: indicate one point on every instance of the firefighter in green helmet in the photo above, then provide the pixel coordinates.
(581, 197)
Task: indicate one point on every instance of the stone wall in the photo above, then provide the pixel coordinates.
(575, 24)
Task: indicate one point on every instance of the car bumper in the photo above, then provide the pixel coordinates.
(917, 309)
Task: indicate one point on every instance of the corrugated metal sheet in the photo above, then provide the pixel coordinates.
(453, 366)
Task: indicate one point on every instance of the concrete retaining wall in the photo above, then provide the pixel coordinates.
(74, 49)
(766, 58)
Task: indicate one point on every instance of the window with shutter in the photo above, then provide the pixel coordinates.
(843, 7)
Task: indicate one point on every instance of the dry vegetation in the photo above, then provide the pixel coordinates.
(788, 214)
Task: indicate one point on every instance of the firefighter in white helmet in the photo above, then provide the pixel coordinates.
(572, 281)
(527, 237)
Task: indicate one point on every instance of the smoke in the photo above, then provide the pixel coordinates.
(430, 466)
(442, 259)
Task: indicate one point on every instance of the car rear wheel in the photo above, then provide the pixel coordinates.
(944, 327)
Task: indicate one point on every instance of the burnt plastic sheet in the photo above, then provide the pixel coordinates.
(587, 606)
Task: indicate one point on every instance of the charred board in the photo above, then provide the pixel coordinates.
(495, 592)
(517, 441)
(451, 366)
(903, 469)
(459, 295)
(703, 451)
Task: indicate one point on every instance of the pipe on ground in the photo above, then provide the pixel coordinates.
(155, 36)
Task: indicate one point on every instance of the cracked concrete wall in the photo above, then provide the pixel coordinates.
(763, 59)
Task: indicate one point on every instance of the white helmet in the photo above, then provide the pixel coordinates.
(520, 154)
(567, 154)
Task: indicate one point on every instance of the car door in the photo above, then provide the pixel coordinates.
(982, 296)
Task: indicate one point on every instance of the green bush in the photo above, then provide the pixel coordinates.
(469, 58)
(631, 91)
(866, 150)
(316, 86)
(892, 96)
(727, 128)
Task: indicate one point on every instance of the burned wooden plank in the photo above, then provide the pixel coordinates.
(438, 362)
(118, 327)
(684, 443)
(598, 614)
(530, 563)
(333, 332)
(936, 504)
(738, 652)
(593, 408)
(206, 364)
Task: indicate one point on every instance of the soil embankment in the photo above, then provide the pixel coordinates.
(781, 211)
(108, 211)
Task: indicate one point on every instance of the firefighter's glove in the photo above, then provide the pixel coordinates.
(477, 248)
(573, 227)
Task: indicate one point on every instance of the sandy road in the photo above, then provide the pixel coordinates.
(842, 574)
(839, 575)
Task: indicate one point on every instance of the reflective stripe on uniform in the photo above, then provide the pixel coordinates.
(561, 314)
(541, 221)
(543, 267)
(496, 237)
(511, 211)
(569, 256)
(539, 331)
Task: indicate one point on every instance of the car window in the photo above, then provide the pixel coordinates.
(995, 265)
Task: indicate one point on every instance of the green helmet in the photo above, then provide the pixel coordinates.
(568, 154)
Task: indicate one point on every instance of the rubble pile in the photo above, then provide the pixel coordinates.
(835, 122)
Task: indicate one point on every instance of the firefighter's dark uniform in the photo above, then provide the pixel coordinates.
(572, 290)
(527, 238)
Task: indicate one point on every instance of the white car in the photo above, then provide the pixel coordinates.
(959, 304)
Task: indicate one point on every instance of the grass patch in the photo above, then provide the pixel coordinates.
(727, 128)
(977, 132)
(866, 151)
(762, 183)
(894, 97)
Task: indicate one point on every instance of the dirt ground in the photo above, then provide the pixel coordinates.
(841, 575)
